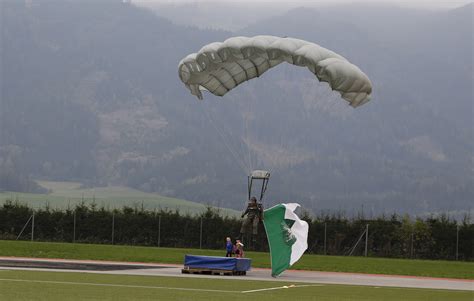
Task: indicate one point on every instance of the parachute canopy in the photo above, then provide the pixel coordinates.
(220, 67)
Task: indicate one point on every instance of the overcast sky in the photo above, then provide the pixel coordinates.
(407, 3)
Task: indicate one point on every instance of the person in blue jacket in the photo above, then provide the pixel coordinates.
(229, 247)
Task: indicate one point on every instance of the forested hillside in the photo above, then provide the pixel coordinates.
(90, 93)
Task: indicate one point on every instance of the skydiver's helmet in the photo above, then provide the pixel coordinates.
(252, 203)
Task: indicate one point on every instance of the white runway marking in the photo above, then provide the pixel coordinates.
(121, 285)
(279, 288)
(156, 287)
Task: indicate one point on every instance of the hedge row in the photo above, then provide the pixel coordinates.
(389, 236)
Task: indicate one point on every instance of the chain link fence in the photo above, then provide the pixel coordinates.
(430, 238)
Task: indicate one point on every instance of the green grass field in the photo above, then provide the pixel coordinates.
(428, 268)
(64, 194)
(35, 285)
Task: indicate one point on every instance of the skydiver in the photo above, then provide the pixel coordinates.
(254, 214)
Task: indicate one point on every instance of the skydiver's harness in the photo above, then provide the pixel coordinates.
(254, 209)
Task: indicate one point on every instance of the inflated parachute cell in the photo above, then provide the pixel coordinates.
(220, 67)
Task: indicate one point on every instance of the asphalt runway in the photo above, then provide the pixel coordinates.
(290, 276)
(65, 265)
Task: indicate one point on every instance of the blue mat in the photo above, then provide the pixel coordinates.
(218, 263)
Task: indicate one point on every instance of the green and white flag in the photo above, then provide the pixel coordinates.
(287, 236)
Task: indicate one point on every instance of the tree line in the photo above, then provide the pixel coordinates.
(434, 237)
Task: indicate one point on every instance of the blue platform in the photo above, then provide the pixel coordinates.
(217, 263)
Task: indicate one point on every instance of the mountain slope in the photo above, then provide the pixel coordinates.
(90, 93)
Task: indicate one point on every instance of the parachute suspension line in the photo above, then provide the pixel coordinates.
(244, 148)
(242, 145)
(240, 151)
(225, 142)
(247, 135)
(228, 145)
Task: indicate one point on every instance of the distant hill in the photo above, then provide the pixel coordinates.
(64, 195)
(90, 94)
(227, 15)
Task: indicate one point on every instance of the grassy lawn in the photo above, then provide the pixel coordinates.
(429, 268)
(36, 285)
(64, 194)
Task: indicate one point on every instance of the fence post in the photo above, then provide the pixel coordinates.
(200, 236)
(325, 228)
(366, 238)
(33, 226)
(457, 241)
(159, 230)
(113, 226)
(74, 227)
(411, 247)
